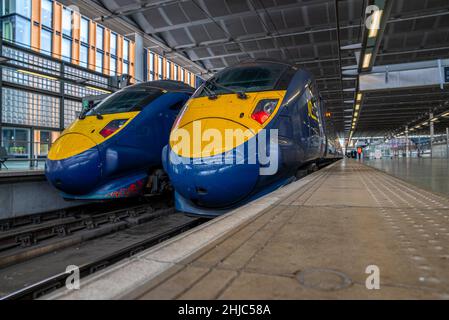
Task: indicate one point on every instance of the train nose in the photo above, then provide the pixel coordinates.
(73, 164)
(211, 184)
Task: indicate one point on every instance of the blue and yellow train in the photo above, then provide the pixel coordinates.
(114, 149)
(275, 105)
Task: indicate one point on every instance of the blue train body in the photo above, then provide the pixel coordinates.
(84, 163)
(211, 188)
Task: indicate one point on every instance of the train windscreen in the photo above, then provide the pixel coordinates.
(126, 101)
(244, 78)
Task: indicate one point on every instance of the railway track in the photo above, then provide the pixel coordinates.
(57, 281)
(105, 236)
(60, 230)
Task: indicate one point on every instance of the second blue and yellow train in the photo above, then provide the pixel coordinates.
(113, 150)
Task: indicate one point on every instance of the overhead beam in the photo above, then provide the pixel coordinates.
(405, 76)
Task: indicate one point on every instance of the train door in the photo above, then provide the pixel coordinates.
(301, 133)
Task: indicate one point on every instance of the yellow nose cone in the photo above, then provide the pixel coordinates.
(70, 145)
(208, 137)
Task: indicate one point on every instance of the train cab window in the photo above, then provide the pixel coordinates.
(246, 78)
(126, 101)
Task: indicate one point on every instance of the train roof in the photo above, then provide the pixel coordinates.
(167, 85)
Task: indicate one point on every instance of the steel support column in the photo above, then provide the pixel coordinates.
(432, 131)
(406, 142)
(447, 143)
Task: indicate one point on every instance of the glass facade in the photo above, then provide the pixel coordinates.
(125, 68)
(46, 41)
(40, 97)
(47, 14)
(43, 139)
(17, 29)
(168, 69)
(175, 76)
(29, 108)
(113, 66)
(17, 142)
(72, 109)
(66, 52)
(99, 37)
(99, 61)
(22, 7)
(84, 56)
(23, 78)
(84, 30)
(113, 48)
(159, 67)
(125, 50)
(67, 22)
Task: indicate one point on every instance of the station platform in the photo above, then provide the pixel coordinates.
(6, 175)
(313, 239)
(32, 185)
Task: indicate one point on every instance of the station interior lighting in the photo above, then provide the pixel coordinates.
(36, 74)
(377, 17)
(367, 60)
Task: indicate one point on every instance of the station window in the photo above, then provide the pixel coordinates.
(67, 22)
(43, 139)
(99, 61)
(99, 39)
(168, 69)
(18, 30)
(22, 7)
(113, 48)
(126, 50)
(175, 77)
(16, 142)
(84, 30)
(46, 41)
(113, 66)
(159, 67)
(66, 49)
(182, 74)
(84, 55)
(151, 73)
(47, 13)
(125, 68)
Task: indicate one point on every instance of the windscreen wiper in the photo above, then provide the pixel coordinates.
(210, 93)
(98, 114)
(240, 94)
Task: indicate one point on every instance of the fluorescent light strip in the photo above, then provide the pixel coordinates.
(367, 60)
(377, 16)
(98, 89)
(36, 74)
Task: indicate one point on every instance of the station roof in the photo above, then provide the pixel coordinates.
(214, 34)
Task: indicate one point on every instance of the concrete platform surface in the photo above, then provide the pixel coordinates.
(21, 173)
(314, 239)
(428, 173)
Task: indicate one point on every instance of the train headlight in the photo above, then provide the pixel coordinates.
(112, 127)
(264, 109)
